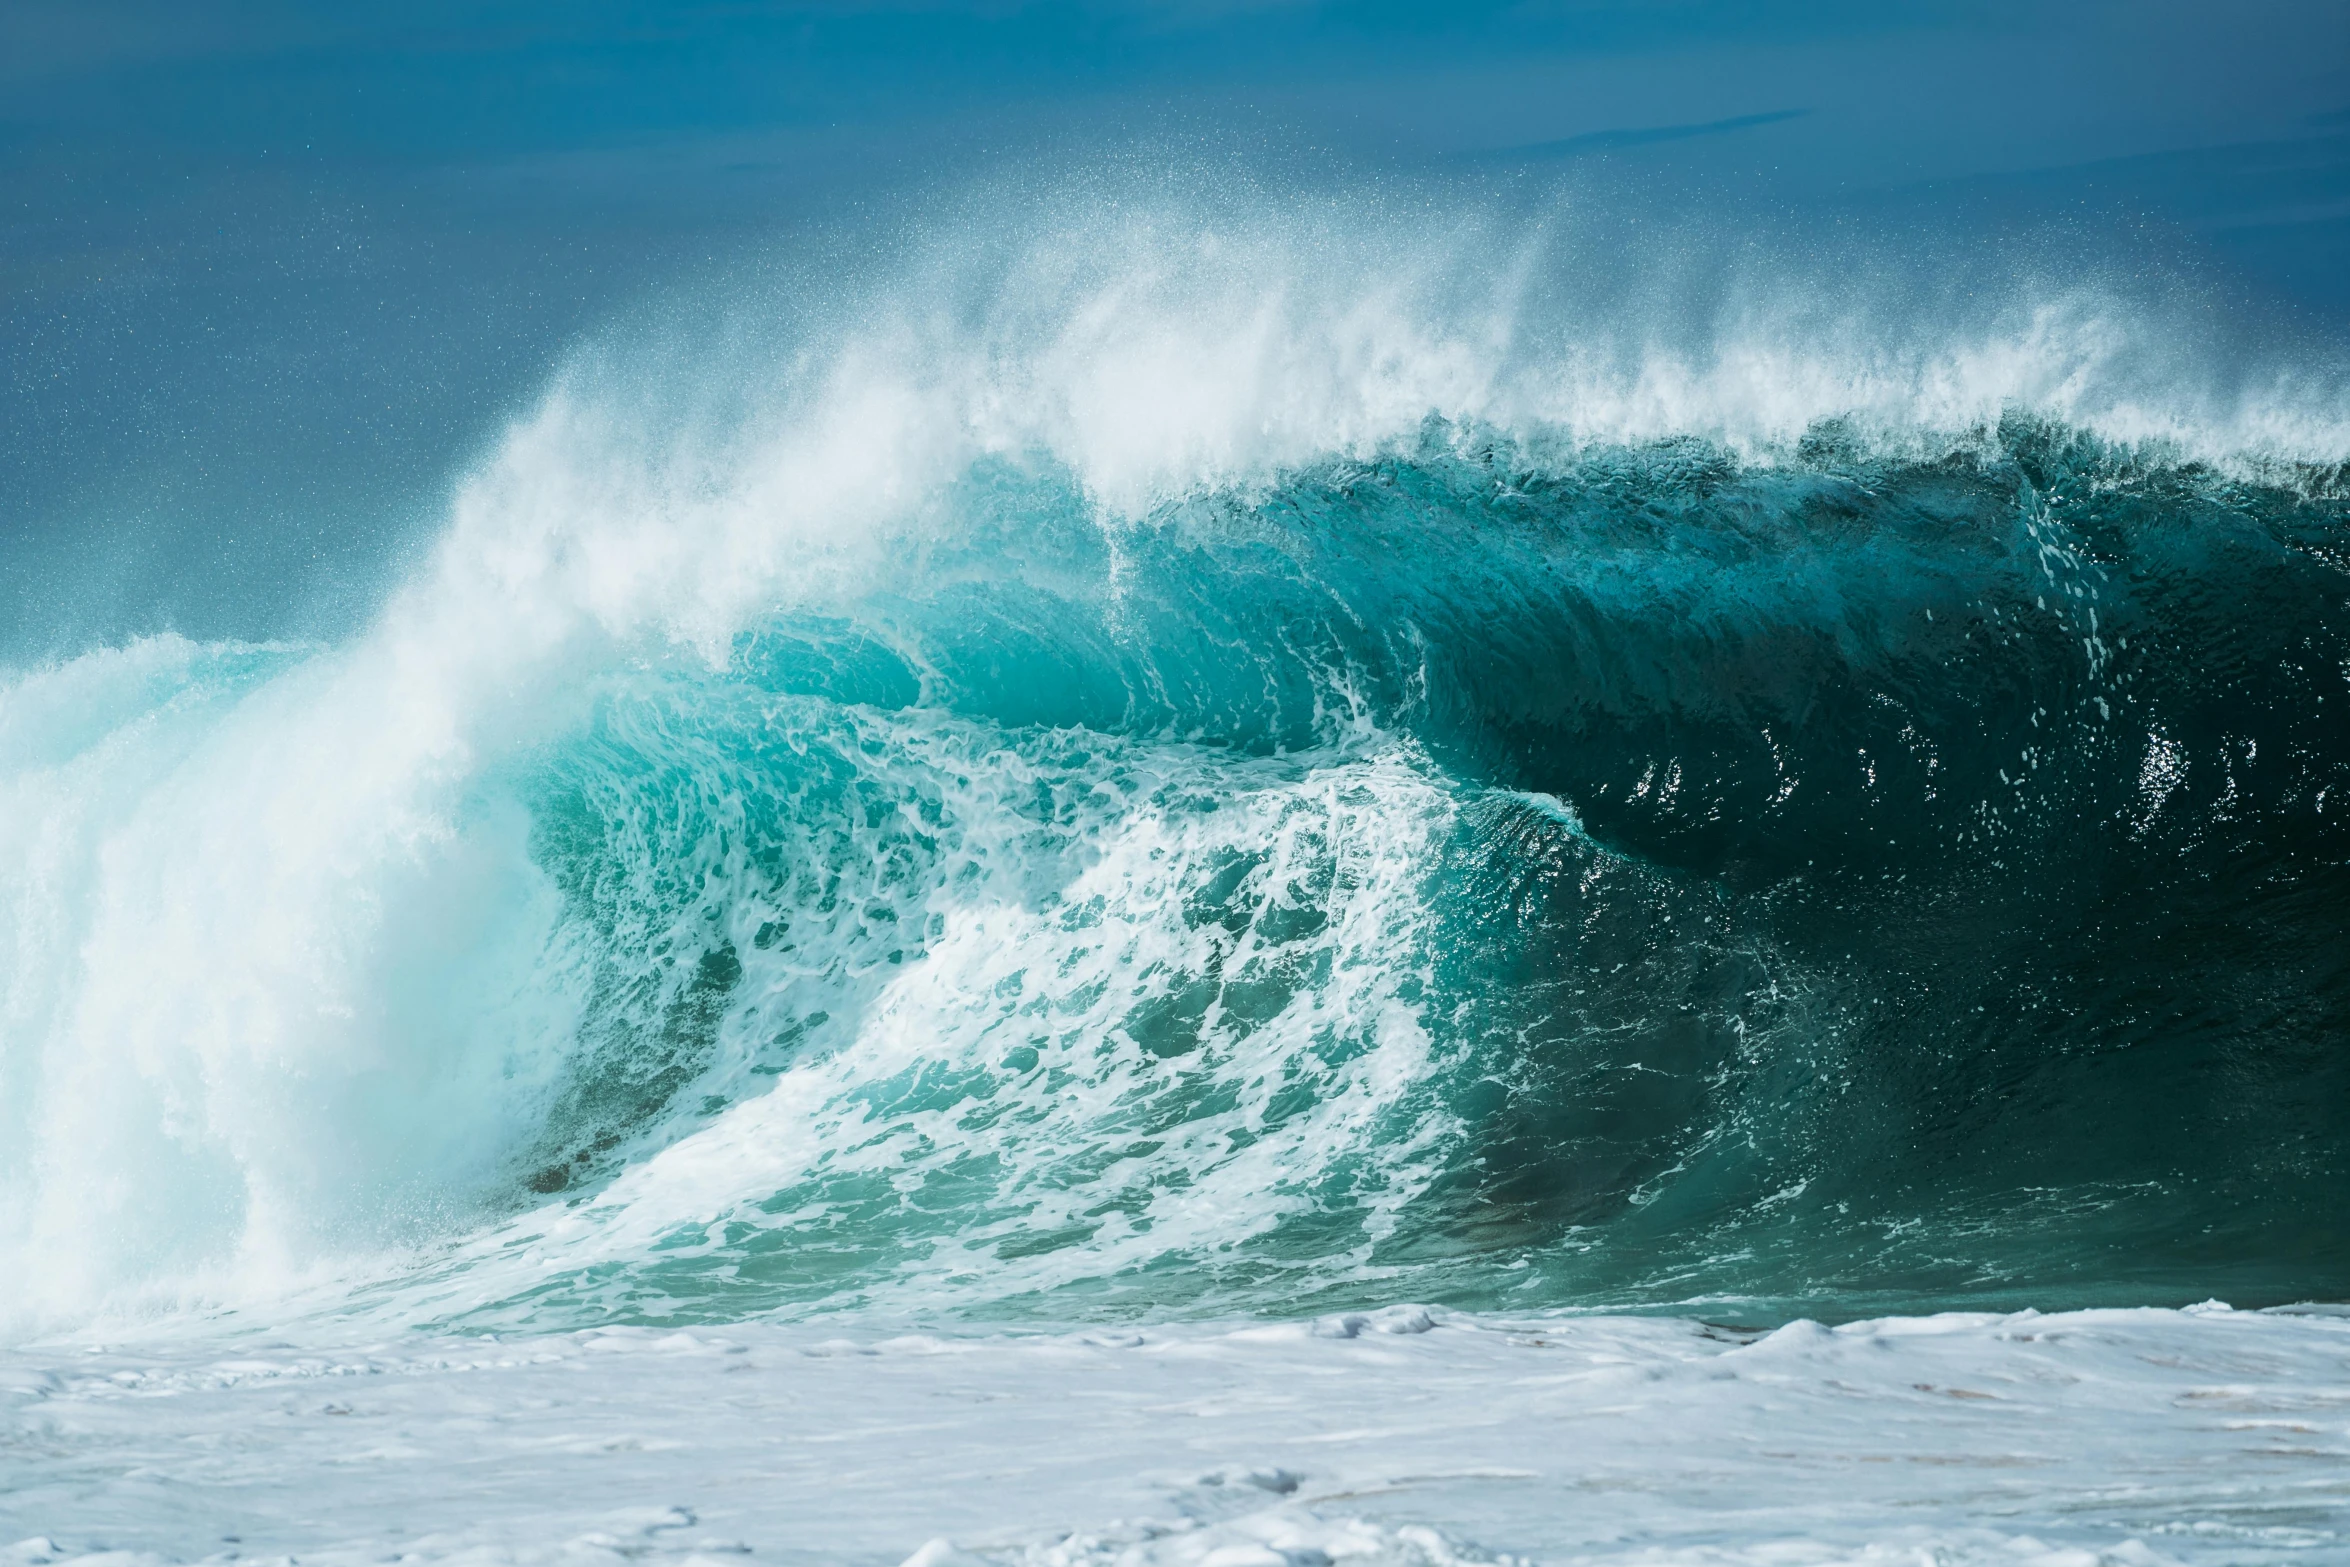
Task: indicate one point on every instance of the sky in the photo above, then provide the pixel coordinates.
(271, 272)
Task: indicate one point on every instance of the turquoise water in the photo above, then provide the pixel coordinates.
(1649, 879)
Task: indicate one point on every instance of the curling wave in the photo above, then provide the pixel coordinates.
(1194, 763)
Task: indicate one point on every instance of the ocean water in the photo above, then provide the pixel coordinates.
(1101, 798)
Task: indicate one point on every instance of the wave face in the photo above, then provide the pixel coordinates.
(1120, 791)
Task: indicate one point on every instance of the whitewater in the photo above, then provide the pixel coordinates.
(1231, 881)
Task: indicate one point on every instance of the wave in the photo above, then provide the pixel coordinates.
(1196, 758)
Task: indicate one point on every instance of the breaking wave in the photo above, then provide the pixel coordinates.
(1194, 759)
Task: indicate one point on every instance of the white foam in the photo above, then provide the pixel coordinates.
(2089, 1439)
(1071, 1125)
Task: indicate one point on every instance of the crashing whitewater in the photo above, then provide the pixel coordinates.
(1254, 824)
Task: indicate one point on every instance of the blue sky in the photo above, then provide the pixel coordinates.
(361, 234)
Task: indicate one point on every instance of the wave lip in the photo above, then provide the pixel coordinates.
(1164, 354)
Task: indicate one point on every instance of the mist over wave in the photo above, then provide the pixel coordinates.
(1148, 754)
